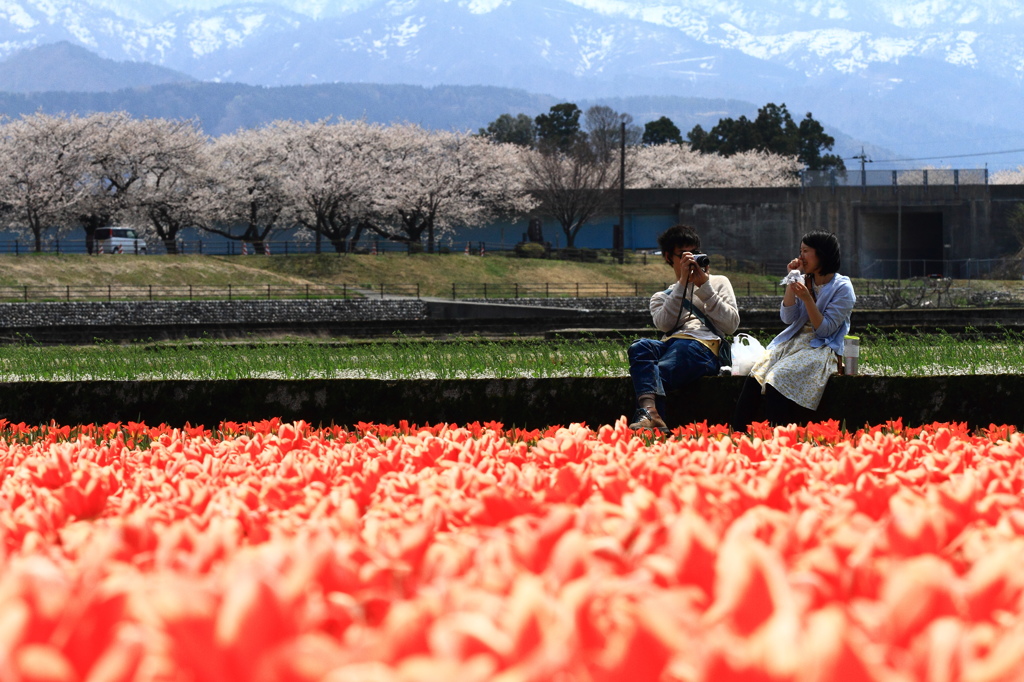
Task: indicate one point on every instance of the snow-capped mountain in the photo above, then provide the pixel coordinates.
(922, 76)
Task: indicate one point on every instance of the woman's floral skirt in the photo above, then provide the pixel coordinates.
(797, 370)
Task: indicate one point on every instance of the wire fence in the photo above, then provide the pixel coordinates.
(895, 178)
(209, 247)
(294, 247)
(190, 292)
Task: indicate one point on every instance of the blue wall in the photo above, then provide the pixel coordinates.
(641, 232)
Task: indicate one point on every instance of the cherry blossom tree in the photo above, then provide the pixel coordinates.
(334, 176)
(440, 180)
(248, 185)
(1009, 176)
(676, 166)
(573, 187)
(42, 161)
(122, 151)
(176, 184)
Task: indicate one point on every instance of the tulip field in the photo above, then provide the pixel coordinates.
(395, 553)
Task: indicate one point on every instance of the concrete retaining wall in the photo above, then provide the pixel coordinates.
(977, 400)
(642, 303)
(83, 322)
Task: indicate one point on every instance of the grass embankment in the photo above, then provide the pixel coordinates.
(883, 354)
(433, 273)
(401, 273)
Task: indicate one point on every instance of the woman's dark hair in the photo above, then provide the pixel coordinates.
(678, 236)
(826, 247)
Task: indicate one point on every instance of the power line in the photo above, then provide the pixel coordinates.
(950, 156)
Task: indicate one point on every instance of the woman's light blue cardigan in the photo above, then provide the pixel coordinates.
(835, 303)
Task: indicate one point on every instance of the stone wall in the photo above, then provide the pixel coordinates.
(163, 313)
(304, 312)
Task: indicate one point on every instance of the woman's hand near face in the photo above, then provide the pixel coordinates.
(793, 264)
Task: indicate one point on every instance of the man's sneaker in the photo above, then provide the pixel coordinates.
(643, 419)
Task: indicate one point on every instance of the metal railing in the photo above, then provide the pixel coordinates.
(381, 290)
(939, 292)
(963, 268)
(190, 292)
(921, 177)
(502, 290)
(541, 290)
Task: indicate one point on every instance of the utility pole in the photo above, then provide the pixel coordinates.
(899, 240)
(622, 194)
(863, 160)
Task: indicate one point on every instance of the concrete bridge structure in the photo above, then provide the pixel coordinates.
(939, 222)
(928, 230)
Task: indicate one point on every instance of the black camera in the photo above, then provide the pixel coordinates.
(702, 260)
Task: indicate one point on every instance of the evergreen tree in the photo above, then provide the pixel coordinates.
(774, 131)
(518, 130)
(560, 127)
(662, 131)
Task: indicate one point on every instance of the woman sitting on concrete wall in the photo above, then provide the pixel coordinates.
(799, 361)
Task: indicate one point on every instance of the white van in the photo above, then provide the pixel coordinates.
(119, 240)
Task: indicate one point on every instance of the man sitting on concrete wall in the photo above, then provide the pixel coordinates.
(694, 314)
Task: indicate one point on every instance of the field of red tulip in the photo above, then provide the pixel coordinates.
(279, 551)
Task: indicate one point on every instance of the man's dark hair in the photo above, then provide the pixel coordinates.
(678, 236)
(826, 247)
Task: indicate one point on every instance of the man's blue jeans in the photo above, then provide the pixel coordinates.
(660, 366)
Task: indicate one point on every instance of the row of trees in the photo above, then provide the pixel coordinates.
(336, 180)
(599, 130)
(575, 157)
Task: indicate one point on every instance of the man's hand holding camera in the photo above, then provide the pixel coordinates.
(691, 268)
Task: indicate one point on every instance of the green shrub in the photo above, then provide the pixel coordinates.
(530, 250)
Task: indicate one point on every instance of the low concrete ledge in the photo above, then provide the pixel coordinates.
(977, 400)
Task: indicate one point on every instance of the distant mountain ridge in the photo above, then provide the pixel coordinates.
(225, 107)
(926, 77)
(66, 67)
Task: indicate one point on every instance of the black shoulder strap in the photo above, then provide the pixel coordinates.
(702, 317)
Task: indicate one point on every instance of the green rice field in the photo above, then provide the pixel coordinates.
(894, 354)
